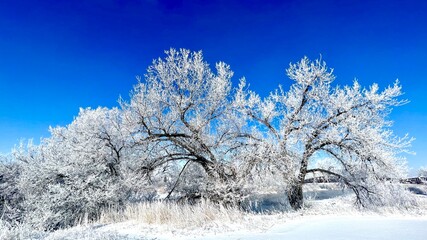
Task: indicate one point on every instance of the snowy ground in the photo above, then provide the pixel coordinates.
(328, 227)
(329, 214)
(338, 227)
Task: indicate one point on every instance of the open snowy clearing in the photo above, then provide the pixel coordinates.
(339, 227)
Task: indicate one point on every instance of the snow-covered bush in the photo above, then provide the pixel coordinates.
(19, 231)
(11, 198)
(392, 195)
(75, 173)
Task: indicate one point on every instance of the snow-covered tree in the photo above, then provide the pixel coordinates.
(76, 172)
(182, 112)
(348, 124)
(11, 198)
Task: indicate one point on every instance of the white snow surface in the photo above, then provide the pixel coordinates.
(338, 227)
(328, 227)
(331, 218)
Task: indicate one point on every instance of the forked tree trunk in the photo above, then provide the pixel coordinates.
(295, 196)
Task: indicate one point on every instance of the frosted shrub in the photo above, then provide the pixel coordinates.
(11, 198)
(390, 195)
(19, 231)
(75, 173)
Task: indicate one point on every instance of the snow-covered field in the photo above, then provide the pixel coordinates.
(338, 227)
(306, 227)
(328, 214)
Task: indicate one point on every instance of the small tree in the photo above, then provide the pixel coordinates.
(349, 124)
(74, 173)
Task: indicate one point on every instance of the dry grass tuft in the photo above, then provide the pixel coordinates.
(174, 214)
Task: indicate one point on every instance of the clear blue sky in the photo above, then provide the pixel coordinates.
(57, 56)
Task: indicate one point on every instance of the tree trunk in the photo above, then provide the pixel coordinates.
(295, 196)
